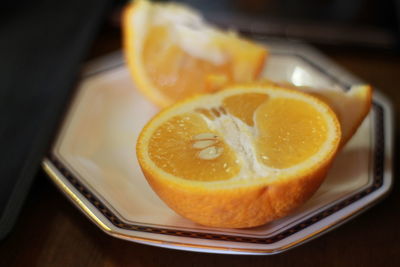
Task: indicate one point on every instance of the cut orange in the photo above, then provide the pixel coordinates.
(240, 157)
(173, 53)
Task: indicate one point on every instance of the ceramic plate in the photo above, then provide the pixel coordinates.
(93, 161)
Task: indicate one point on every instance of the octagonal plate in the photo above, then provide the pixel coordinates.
(93, 162)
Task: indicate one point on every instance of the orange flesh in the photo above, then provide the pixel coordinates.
(289, 132)
(171, 149)
(176, 73)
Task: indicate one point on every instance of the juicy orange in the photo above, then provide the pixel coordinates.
(173, 53)
(240, 157)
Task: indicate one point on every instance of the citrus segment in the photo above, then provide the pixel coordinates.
(173, 53)
(240, 157)
(290, 131)
(350, 106)
(185, 147)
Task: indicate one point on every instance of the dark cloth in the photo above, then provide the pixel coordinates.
(42, 44)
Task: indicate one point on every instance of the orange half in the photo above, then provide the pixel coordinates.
(241, 157)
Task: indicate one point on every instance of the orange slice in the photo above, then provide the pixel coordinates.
(241, 157)
(173, 53)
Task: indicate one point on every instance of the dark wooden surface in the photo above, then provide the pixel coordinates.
(52, 232)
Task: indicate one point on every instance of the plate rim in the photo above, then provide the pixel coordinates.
(380, 105)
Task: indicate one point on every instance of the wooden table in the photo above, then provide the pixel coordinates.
(52, 232)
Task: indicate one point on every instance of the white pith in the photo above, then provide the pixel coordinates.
(190, 32)
(240, 137)
(187, 29)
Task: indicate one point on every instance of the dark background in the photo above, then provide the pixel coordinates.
(362, 23)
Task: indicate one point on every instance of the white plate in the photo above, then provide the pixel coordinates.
(93, 161)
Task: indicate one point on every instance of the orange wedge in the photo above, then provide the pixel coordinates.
(173, 53)
(240, 157)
